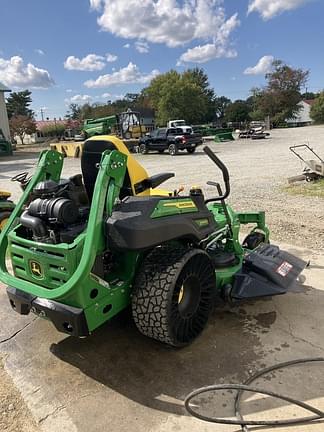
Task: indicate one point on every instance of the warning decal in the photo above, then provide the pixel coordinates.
(284, 269)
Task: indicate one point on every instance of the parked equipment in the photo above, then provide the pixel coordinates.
(180, 124)
(6, 205)
(5, 146)
(313, 168)
(223, 135)
(83, 249)
(254, 133)
(126, 125)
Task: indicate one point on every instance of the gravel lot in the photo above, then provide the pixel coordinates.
(259, 170)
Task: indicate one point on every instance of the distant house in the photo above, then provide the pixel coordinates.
(147, 117)
(303, 117)
(46, 129)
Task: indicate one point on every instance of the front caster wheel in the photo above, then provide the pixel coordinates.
(253, 240)
(173, 294)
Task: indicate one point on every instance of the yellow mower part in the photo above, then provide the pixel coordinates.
(4, 194)
(137, 173)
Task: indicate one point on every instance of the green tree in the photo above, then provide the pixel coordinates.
(309, 95)
(18, 104)
(22, 125)
(74, 112)
(238, 111)
(280, 98)
(176, 96)
(317, 109)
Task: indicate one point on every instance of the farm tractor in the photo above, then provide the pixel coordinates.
(85, 248)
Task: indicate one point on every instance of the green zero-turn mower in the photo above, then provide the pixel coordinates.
(85, 248)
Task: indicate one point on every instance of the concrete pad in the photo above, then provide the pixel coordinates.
(119, 380)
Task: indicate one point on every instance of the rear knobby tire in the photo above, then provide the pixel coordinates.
(173, 294)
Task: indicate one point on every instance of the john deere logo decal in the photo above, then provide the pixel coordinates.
(36, 269)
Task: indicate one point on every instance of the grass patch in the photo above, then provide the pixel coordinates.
(312, 189)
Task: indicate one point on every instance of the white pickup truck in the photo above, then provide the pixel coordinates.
(180, 124)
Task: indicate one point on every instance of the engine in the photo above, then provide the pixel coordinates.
(57, 211)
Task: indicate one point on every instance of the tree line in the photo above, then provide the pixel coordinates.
(189, 95)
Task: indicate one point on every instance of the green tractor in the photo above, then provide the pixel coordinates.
(84, 249)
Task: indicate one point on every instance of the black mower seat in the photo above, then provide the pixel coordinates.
(131, 226)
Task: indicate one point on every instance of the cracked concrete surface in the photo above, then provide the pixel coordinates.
(118, 379)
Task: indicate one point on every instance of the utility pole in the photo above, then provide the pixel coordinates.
(55, 127)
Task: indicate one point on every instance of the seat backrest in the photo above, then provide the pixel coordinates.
(91, 156)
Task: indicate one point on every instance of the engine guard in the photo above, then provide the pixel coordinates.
(66, 319)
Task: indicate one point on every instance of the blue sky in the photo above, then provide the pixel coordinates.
(95, 50)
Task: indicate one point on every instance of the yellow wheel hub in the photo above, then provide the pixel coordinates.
(3, 223)
(181, 294)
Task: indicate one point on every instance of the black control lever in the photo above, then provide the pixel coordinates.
(225, 173)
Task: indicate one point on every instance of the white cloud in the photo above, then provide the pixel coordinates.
(91, 62)
(95, 4)
(79, 99)
(111, 58)
(262, 67)
(270, 8)
(204, 53)
(127, 75)
(39, 51)
(109, 96)
(127, 45)
(220, 47)
(69, 91)
(170, 22)
(142, 47)
(15, 73)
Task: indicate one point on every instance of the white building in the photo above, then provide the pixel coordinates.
(303, 117)
(4, 123)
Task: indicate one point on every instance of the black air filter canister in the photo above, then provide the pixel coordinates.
(61, 210)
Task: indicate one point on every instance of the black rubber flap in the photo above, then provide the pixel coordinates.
(266, 271)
